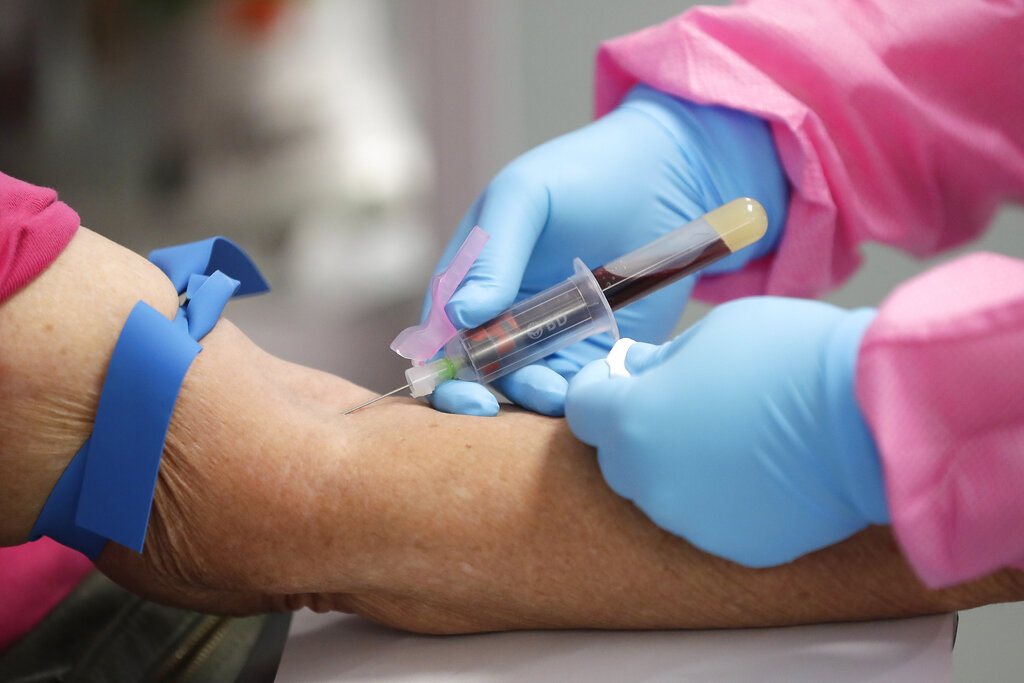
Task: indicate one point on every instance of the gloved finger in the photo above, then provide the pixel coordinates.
(537, 388)
(513, 212)
(568, 361)
(593, 403)
(464, 398)
(469, 219)
(564, 366)
(641, 358)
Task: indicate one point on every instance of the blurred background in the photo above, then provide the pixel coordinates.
(339, 142)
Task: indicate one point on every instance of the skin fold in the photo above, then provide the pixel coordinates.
(269, 498)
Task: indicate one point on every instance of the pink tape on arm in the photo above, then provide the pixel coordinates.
(421, 342)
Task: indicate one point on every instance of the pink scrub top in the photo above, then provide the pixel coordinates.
(34, 229)
(901, 123)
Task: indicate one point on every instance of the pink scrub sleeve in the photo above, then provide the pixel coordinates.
(896, 122)
(902, 123)
(34, 229)
(940, 378)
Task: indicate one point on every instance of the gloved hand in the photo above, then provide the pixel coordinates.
(742, 435)
(646, 168)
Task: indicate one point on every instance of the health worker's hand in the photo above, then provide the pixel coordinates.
(646, 168)
(743, 434)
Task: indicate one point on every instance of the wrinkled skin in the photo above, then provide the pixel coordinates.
(269, 499)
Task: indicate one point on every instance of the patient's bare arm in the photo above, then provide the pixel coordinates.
(269, 498)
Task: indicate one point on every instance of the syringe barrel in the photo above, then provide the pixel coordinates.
(533, 328)
(582, 305)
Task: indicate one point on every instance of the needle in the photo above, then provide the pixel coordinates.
(374, 400)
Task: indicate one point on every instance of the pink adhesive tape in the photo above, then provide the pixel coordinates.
(421, 342)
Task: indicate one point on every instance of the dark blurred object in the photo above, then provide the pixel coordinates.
(159, 9)
(17, 80)
(101, 632)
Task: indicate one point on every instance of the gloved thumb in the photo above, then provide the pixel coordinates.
(594, 401)
(642, 357)
(535, 387)
(464, 398)
(513, 211)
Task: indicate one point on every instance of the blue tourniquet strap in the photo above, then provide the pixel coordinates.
(107, 490)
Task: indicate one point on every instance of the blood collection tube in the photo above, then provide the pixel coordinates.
(582, 305)
(681, 252)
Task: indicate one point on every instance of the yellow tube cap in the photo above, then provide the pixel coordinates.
(739, 223)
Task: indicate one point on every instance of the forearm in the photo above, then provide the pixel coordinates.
(446, 523)
(269, 498)
(511, 526)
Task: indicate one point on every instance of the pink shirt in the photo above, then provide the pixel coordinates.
(902, 123)
(34, 229)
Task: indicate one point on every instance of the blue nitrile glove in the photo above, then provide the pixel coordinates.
(643, 170)
(742, 435)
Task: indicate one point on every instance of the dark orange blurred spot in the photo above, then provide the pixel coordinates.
(255, 16)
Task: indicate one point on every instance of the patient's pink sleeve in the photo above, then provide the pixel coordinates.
(34, 577)
(34, 229)
(940, 379)
(896, 122)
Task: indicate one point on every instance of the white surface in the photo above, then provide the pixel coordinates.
(335, 647)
